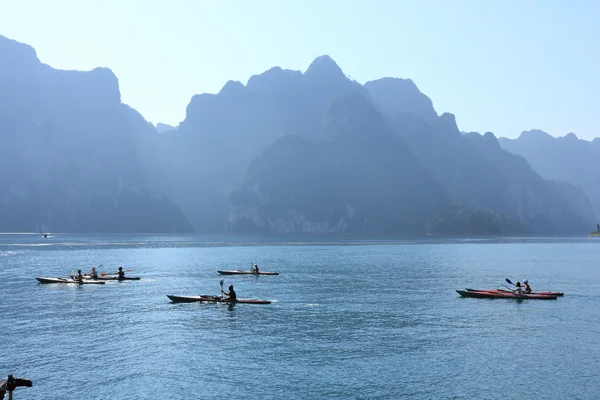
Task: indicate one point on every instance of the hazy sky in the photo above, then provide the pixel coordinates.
(500, 66)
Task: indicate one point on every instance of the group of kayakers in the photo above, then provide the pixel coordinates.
(93, 274)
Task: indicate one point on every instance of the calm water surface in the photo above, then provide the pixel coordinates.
(349, 319)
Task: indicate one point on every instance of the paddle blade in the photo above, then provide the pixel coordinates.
(509, 281)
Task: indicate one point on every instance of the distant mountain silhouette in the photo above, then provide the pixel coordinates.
(358, 177)
(208, 156)
(65, 137)
(476, 172)
(287, 152)
(566, 159)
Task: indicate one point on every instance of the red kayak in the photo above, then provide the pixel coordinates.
(503, 295)
(508, 291)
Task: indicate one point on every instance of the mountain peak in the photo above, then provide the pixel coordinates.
(324, 68)
(232, 87)
(448, 122)
(16, 53)
(401, 96)
(271, 78)
(535, 134)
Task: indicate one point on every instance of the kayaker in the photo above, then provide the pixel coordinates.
(527, 287)
(231, 295)
(255, 269)
(79, 276)
(120, 273)
(94, 273)
(519, 290)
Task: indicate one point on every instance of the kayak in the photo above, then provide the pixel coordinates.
(116, 278)
(113, 278)
(67, 280)
(213, 299)
(507, 291)
(240, 272)
(502, 295)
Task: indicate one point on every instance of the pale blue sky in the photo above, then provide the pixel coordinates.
(500, 66)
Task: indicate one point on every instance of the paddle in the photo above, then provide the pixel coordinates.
(115, 273)
(221, 283)
(509, 281)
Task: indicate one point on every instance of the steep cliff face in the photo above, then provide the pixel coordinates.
(358, 177)
(567, 159)
(65, 136)
(545, 206)
(210, 153)
(474, 170)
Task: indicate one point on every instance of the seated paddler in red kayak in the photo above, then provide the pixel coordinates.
(527, 287)
(519, 290)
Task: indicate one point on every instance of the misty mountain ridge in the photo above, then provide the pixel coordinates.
(290, 151)
(358, 177)
(65, 138)
(566, 159)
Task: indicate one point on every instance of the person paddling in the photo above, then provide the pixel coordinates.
(527, 287)
(231, 296)
(519, 290)
(94, 273)
(79, 276)
(120, 274)
(255, 269)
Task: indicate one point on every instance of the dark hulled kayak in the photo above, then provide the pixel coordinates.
(507, 291)
(213, 299)
(66, 280)
(114, 278)
(240, 272)
(502, 295)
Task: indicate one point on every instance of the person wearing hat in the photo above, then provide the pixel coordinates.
(527, 287)
(231, 296)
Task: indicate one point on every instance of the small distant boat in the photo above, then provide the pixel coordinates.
(45, 235)
(240, 272)
(503, 295)
(213, 299)
(69, 280)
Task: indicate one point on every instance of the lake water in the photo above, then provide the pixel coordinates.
(349, 319)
